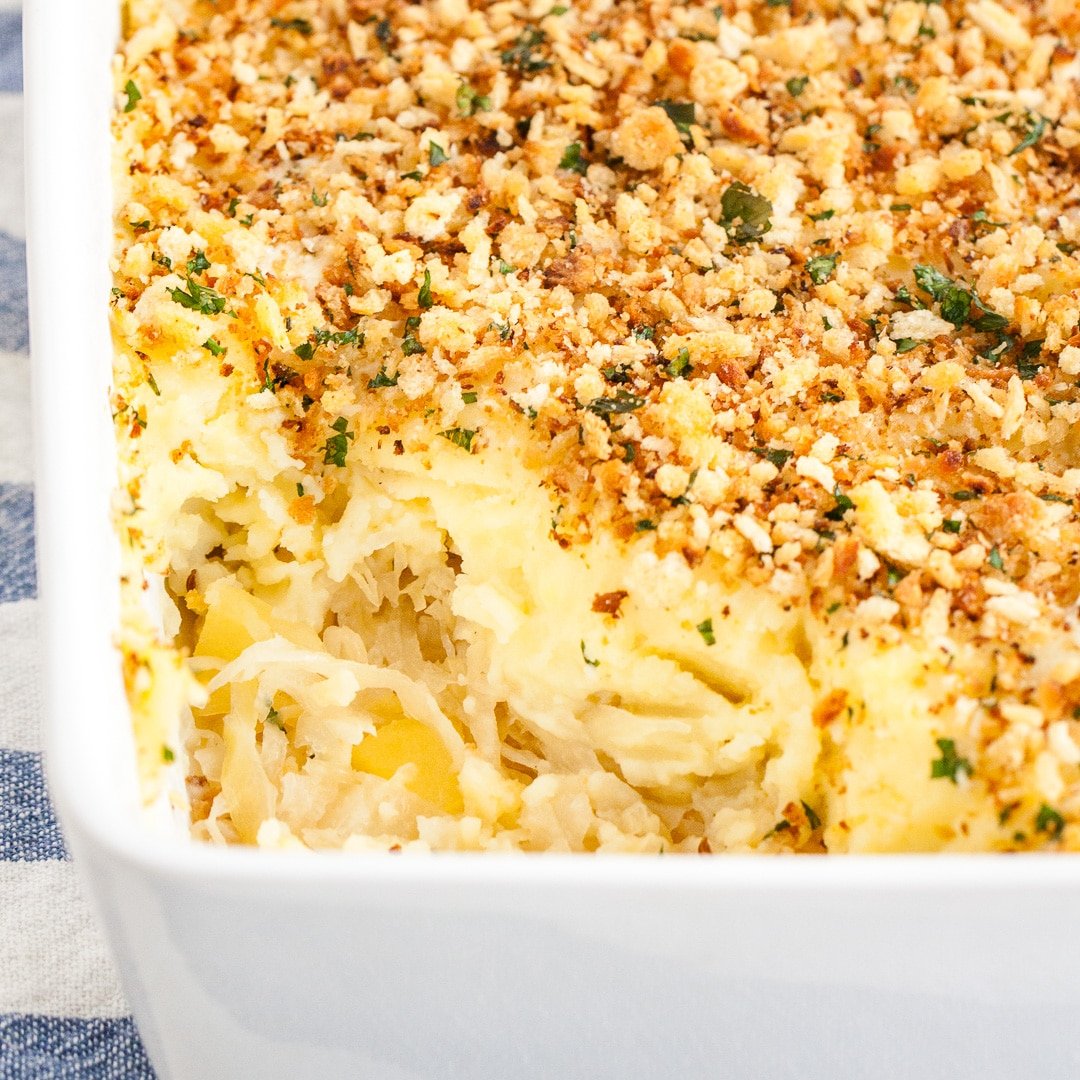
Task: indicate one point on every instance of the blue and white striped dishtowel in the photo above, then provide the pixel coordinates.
(61, 1011)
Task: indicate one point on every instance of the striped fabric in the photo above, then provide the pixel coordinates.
(61, 1011)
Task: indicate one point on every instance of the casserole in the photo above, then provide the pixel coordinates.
(242, 963)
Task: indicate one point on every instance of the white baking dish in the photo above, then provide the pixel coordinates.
(241, 963)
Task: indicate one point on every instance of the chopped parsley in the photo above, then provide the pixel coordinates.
(520, 55)
(622, 402)
(965, 496)
(811, 818)
(214, 347)
(777, 457)
(573, 160)
(644, 333)
(797, 85)
(337, 445)
(468, 397)
(746, 215)
(952, 525)
(319, 200)
(950, 764)
(410, 346)
(384, 34)
(1026, 367)
(644, 525)
(842, 506)
(459, 436)
(167, 755)
(705, 629)
(825, 215)
(133, 96)
(1036, 130)
(423, 297)
(506, 268)
(680, 366)
(199, 298)
(584, 656)
(436, 155)
(198, 263)
(900, 207)
(469, 102)
(906, 344)
(381, 379)
(153, 383)
(994, 559)
(1049, 821)
(274, 717)
(821, 268)
(680, 113)
(301, 26)
(958, 304)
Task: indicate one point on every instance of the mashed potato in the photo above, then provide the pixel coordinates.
(602, 427)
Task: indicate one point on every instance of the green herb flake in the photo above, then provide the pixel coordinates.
(776, 456)
(133, 96)
(621, 403)
(469, 102)
(1036, 130)
(462, 437)
(337, 445)
(274, 717)
(506, 268)
(153, 383)
(680, 113)
(199, 298)
(436, 155)
(301, 26)
(319, 199)
(520, 55)
(705, 629)
(198, 263)
(584, 656)
(821, 268)
(950, 764)
(469, 397)
(680, 366)
(410, 346)
(573, 160)
(842, 506)
(746, 214)
(797, 85)
(381, 379)
(644, 333)
(952, 525)
(644, 525)
(423, 297)
(811, 817)
(994, 559)
(900, 207)
(825, 215)
(1049, 821)
(214, 347)
(167, 755)
(906, 344)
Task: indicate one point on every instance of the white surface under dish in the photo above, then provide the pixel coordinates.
(240, 963)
